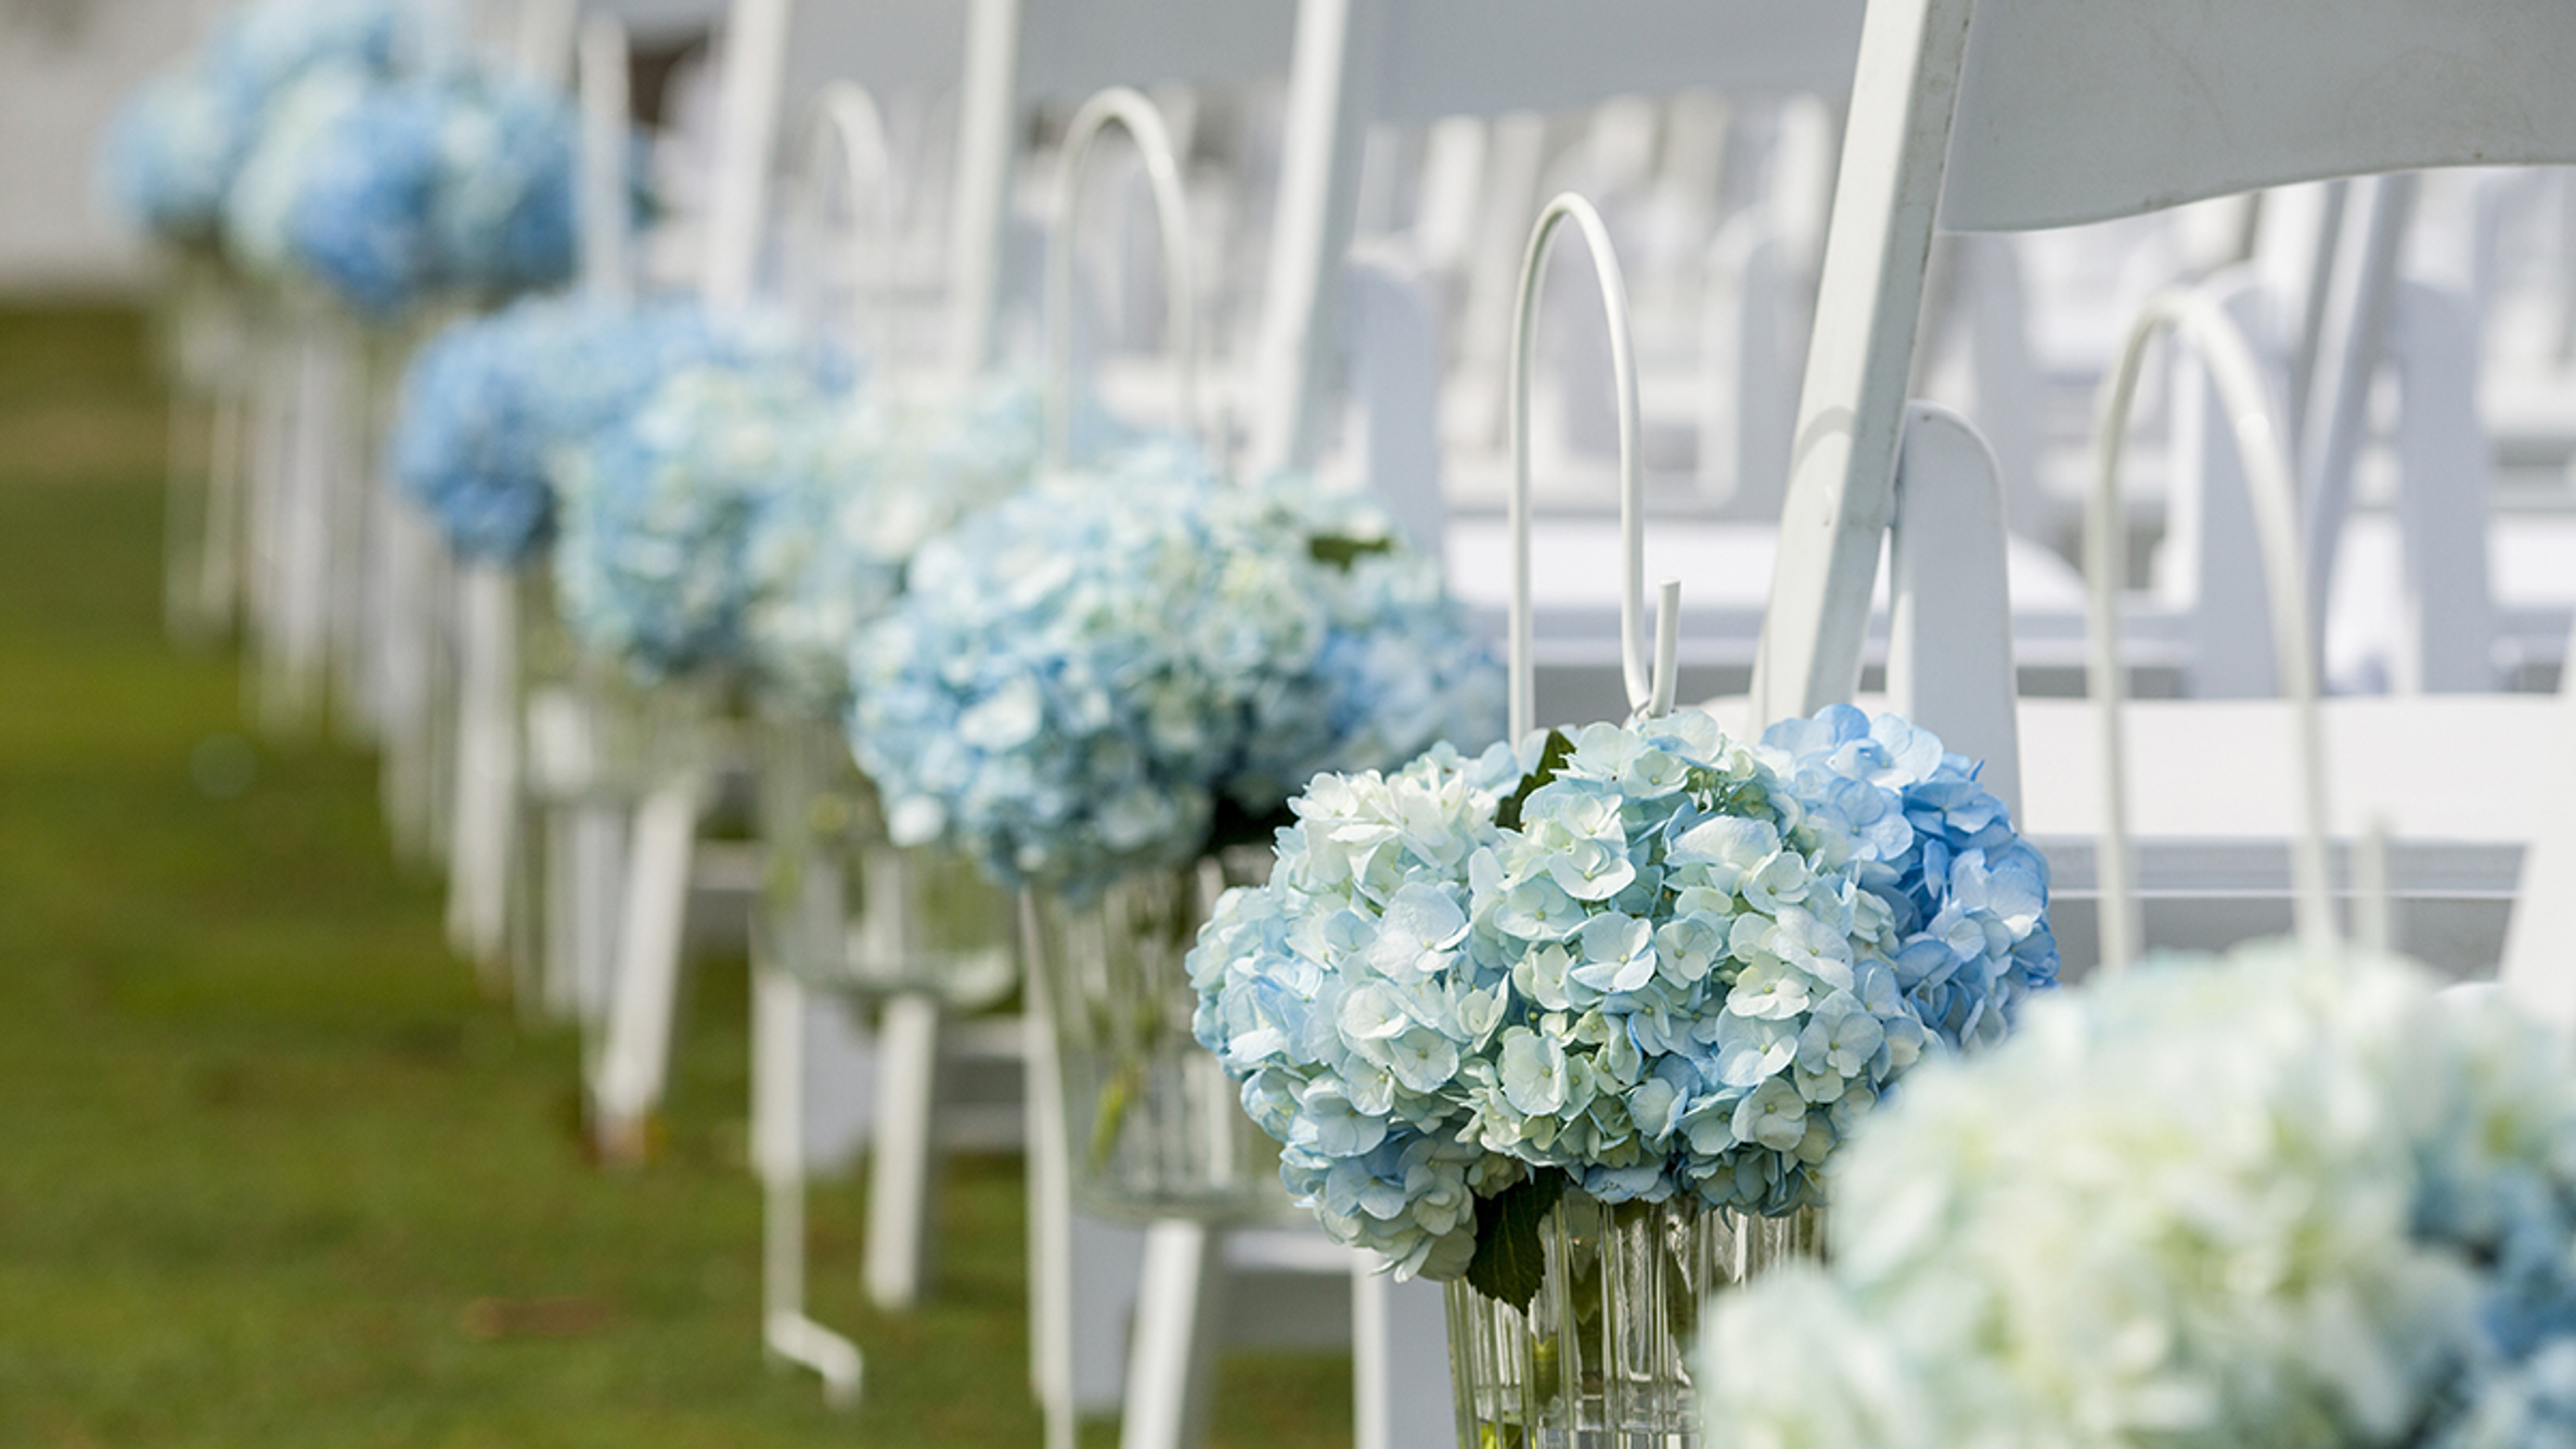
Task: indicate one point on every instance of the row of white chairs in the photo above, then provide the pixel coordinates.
(2022, 113)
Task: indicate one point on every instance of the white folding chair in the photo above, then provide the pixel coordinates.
(1016, 54)
(2044, 113)
(1020, 53)
(1363, 63)
(2036, 113)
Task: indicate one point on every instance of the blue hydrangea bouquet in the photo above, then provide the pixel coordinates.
(494, 403)
(176, 145)
(1121, 669)
(1583, 1025)
(342, 145)
(722, 542)
(1104, 688)
(2280, 1198)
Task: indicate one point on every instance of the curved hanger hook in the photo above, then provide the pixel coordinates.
(846, 116)
(599, 63)
(2199, 322)
(1650, 691)
(1144, 123)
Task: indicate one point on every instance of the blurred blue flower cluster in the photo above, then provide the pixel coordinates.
(827, 554)
(491, 401)
(1651, 957)
(324, 139)
(655, 567)
(2274, 1199)
(174, 148)
(452, 183)
(1081, 680)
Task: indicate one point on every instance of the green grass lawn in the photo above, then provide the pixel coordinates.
(272, 1173)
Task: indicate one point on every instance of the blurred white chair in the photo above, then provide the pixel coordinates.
(1369, 63)
(2038, 114)
(1016, 54)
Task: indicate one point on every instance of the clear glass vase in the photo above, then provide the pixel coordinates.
(1601, 1360)
(635, 738)
(847, 909)
(1153, 1126)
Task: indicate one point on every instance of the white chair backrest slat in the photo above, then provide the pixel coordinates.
(2047, 112)
(1949, 647)
(1021, 51)
(2072, 112)
(1362, 63)
(2539, 968)
(1070, 49)
(1440, 58)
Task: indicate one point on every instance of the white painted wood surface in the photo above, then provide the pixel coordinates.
(1851, 407)
(2067, 113)
(1949, 657)
(1361, 63)
(2071, 112)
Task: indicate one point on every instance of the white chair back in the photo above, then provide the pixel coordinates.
(1360, 63)
(2539, 967)
(2046, 112)
(1019, 52)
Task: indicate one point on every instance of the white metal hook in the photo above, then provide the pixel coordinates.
(2197, 320)
(1650, 691)
(1144, 123)
(600, 61)
(846, 117)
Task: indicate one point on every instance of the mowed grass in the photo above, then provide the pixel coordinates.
(272, 1173)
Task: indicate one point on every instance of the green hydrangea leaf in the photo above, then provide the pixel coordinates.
(1510, 1263)
(1341, 550)
(1551, 759)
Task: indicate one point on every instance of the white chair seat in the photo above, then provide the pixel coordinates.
(1725, 569)
(1724, 574)
(2429, 767)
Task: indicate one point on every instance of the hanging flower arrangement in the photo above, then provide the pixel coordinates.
(176, 145)
(1647, 962)
(341, 143)
(1119, 669)
(827, 553)
(655, 566)
(489, 404)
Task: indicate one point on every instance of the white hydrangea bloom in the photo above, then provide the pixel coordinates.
(2272, 1200)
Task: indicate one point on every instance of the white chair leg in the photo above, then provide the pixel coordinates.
(900, 1156)
(266, 416)
(1082, 1273)
(644, 998)
(208, 574)
(2210, 537)
(187, 529)
(597, 891)
(1399, 1361)
(2443, 455)
(1051, 1230)
(298, 646)
(403, 687)
(487, 765)
(1172, 1364)
(558, 981)
(354, 491)
(1108, 1265)
(1749, 394)
(778, 1130)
